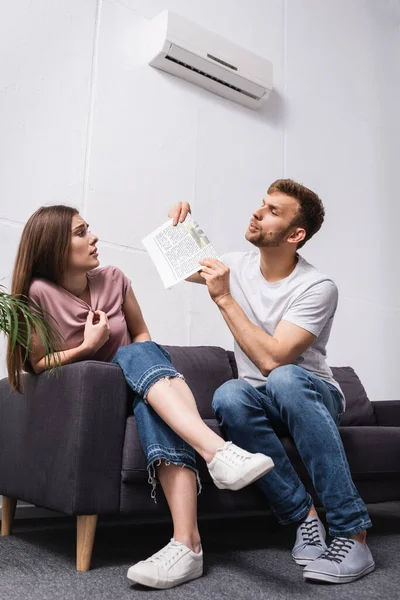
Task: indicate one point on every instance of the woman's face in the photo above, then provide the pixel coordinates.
(82, 254)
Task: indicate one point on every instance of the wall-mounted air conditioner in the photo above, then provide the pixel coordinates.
(187, 50)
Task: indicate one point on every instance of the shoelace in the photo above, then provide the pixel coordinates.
(310, 533)
(173, 557)
(161, 554)
(338, 549)
(233, 456)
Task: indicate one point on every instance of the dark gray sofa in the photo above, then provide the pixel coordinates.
(70, 444)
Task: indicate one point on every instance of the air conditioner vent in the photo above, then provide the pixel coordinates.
(222, 62)
(204, 74)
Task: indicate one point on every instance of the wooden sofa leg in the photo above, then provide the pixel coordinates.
(7, 514)
(85, 532)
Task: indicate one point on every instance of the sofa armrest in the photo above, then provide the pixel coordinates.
(61, 441)
(387, 413)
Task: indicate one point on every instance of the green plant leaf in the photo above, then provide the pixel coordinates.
(20, 318)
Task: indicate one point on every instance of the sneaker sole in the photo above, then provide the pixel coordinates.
(329, 578)
(251, 476)
(143, 580)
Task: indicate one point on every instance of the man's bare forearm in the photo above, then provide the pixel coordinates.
(259, 346)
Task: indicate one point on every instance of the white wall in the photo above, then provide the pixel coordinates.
(85, 121)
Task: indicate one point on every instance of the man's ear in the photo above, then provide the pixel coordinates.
(297, 235)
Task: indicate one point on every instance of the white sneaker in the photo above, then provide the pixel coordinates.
(233, 468)
(172, 565)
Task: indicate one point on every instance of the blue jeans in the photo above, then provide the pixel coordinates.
(295, 402)
(143, 364)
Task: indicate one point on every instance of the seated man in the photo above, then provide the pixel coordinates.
(280, 310)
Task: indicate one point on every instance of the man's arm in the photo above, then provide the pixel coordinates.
(265, 351)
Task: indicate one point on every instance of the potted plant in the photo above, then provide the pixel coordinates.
(20, 318)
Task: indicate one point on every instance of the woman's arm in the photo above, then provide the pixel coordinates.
(134, 319)
(97, 332)
(52, 360)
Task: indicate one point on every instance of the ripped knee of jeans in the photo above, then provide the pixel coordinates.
(152, 477)
(162, 379)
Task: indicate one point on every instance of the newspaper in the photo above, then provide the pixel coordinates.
(177, 250)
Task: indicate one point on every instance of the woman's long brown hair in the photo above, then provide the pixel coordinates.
(42, 252)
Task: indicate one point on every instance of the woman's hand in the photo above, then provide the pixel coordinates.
(97, 331)
(178, 212)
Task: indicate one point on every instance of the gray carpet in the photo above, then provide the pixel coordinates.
(246, 558)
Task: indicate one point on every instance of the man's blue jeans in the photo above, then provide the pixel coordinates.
(295, 402)
(143, 364)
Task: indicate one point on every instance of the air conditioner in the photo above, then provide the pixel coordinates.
(187, 50)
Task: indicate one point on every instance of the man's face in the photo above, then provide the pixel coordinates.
(271, 224)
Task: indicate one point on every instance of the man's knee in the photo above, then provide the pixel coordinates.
(283, 383)
(228, 397)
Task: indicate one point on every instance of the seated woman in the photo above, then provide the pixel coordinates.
(99, 318)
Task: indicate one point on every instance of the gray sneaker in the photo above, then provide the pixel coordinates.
(344, 561)
(310, 541)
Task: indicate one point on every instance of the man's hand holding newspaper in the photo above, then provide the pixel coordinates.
(178, 246)
(178, 212)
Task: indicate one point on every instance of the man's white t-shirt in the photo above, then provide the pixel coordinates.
(307, 298)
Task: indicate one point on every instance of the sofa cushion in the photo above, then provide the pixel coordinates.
(373, 452)
(359, 410)
(205, 368)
